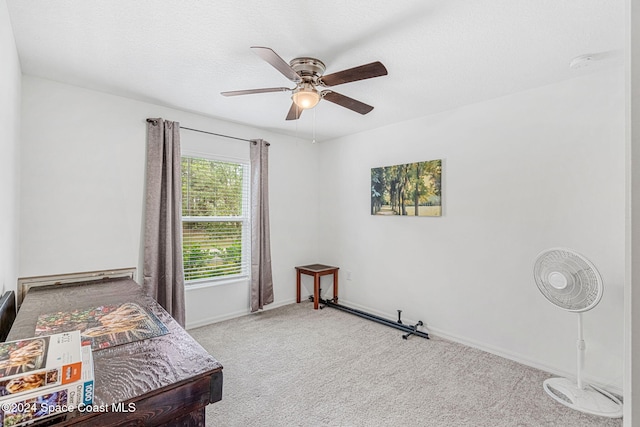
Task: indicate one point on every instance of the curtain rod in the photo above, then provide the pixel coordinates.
(211, 133)
(216, 134)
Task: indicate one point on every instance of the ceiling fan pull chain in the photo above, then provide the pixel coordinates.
(313, 141)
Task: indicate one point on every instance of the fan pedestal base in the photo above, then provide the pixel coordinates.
(589, 399)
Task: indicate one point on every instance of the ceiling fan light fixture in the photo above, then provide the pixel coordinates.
(306, 96)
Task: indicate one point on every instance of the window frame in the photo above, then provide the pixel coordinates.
(245, 219)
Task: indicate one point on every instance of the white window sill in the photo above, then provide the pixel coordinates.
(209, 283)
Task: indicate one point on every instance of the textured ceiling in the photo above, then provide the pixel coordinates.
(439, 54)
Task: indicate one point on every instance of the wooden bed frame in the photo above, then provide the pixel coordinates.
(26, 283)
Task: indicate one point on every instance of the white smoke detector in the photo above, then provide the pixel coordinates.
(582, 61)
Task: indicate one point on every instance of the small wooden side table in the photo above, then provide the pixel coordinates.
(317, 270)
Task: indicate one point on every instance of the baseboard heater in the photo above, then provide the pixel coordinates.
(409, 329)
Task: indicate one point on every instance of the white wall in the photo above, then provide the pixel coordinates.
(522, 173)
(10, 81)
(83, 180)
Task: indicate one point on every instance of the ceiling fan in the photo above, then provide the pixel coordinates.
(308, 74)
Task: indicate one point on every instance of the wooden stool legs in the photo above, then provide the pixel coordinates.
(317, 271)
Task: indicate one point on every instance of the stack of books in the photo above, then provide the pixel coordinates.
(44, 376)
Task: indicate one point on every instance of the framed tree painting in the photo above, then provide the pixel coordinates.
(412, 189)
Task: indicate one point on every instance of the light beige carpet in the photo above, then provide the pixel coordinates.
(295, 366)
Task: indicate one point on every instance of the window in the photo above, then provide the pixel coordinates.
(215, 219)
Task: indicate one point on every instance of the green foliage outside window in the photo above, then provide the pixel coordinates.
(212, 202)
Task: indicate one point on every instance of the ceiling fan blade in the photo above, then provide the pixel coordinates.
(294, 112)
(367, 71)
(250, 91)
(276, 62)
(346, 102)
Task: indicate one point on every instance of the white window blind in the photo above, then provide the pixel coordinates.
(215, 218)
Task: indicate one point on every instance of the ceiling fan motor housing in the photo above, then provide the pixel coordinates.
(310, 69)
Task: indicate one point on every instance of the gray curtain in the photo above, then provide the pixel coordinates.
(261, 280)
(163, 269)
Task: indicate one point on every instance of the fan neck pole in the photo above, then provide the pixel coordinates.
(581, 349)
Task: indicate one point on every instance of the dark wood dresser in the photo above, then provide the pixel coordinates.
(163, 381)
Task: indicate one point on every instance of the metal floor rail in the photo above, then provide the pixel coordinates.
(409, 329)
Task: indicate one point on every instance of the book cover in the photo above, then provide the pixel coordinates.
(104, 326)
(24, 409)
(33, 363)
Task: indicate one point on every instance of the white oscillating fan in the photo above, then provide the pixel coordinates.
(571, 282)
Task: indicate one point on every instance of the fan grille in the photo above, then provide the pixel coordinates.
(568, 279)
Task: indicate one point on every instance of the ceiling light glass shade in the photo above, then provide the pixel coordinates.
(306, 97)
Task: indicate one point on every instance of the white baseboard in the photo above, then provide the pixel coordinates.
(519, 358)
(215, 319)
(232, 315)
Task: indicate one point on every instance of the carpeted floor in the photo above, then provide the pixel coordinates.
(295, 366)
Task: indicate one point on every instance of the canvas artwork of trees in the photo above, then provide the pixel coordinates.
(412, 189)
